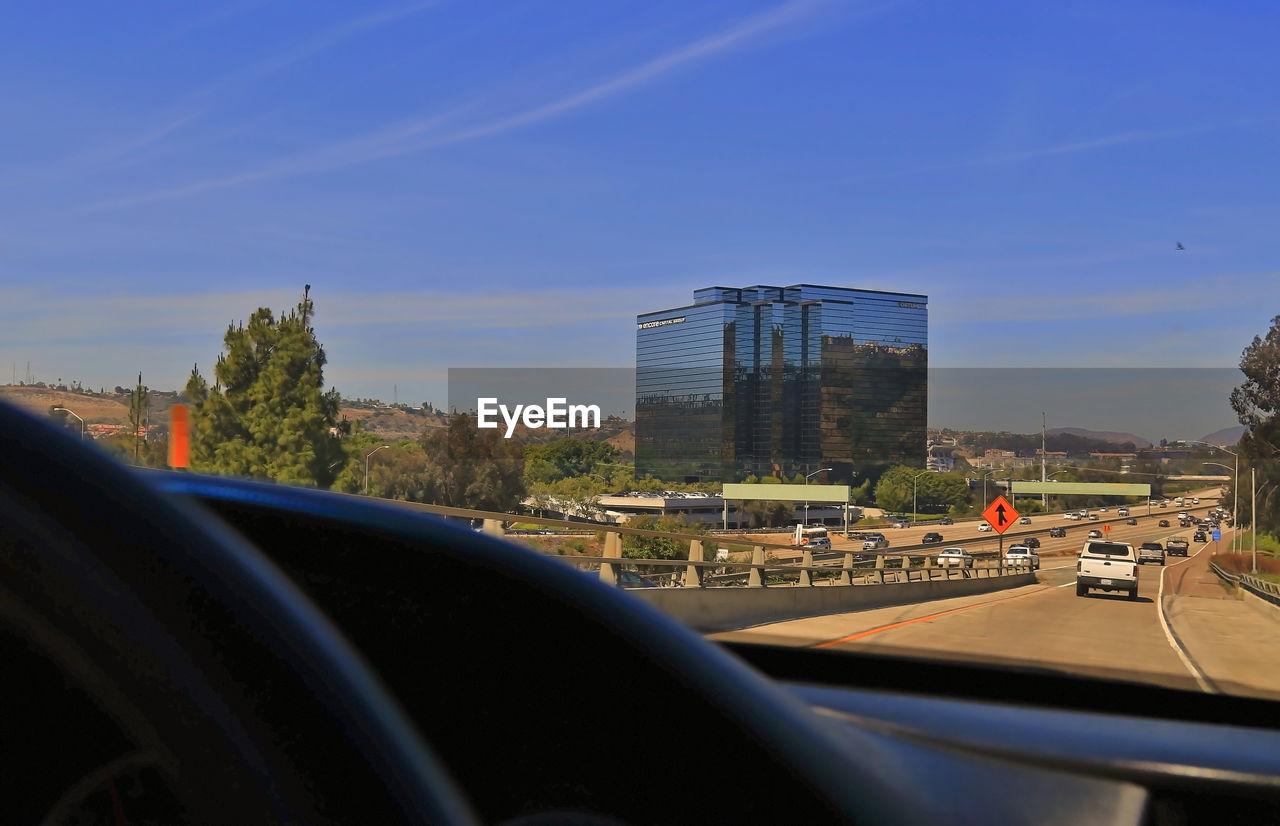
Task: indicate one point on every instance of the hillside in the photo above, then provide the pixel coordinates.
(1114, 437)
(93, 408)
(1225, 437)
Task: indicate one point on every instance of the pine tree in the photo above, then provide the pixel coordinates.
(266, 414)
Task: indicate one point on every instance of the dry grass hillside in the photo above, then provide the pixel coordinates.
(93, 409)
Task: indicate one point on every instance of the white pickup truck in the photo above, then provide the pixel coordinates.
(1107, 566)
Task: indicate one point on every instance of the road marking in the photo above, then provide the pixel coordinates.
(1203, 681)
(859, 635)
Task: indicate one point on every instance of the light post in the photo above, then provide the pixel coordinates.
(1047, 478)
(69, 413)
(1235, 488)
(914, 480)
(1234, 528)
(806, 484)
(1253, 514)
(366, 465)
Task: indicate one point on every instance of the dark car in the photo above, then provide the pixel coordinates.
(931, 536)
(1164, 523)
(946, 520)
(1201, 536)
(1057, 532)
(630, 579)
(1031, 542)
(1131, 521)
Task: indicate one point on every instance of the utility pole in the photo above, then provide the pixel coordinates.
(1044, 458)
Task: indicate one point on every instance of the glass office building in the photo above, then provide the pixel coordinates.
(781, 380)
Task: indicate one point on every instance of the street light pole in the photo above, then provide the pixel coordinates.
(69, 413)
(806, 484)
(914, 480)
(366, 465)
(1253, 514)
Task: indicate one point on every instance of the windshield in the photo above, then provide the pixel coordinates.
(670, 291)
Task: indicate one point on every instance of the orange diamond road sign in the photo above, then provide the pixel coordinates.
(1000, 514)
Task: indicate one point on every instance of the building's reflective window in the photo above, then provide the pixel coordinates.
(778, 381)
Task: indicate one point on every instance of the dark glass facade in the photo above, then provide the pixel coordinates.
(781, 380)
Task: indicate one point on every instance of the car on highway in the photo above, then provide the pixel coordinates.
(1031, 541)
(983, 527)
(1122, 511)
(1026, 520)
(930, 538)
(955, 558)
(631, 579)
(1095, 534)
(1107, 566)
(1023, 554)
(820, 543)
(1057, 532)
(1164, 523)
(946, 520)
(1150, 552)
(1201, 536)
(1131, 521)
(874, 542)
(1102, 509)
(1093, 517)
(1195, 500)
(1177, 546)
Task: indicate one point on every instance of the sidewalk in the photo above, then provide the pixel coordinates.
(1235, 643)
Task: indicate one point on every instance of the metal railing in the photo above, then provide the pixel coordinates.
(1261, 588)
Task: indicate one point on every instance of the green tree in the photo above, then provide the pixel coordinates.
(564, 458)
(934, 492)
(266, 414)
(139, 408)
(467, 467)
(1257, 405)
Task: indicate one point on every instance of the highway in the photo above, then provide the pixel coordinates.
(1185, 631)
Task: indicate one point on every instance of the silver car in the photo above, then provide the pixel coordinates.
(955, 558)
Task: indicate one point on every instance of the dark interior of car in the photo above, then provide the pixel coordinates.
(166, 658)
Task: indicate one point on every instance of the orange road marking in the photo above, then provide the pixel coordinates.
(894, 625)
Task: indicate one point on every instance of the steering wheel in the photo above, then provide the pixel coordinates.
(207, 657)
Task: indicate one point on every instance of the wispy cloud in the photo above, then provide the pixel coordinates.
(416, 135)
(1117, 139)
(317, 43)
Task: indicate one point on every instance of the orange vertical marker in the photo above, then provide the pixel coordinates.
(179, 437)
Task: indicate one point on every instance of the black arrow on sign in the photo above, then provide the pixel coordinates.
(999, 514)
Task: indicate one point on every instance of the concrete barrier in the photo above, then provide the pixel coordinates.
(726, 609)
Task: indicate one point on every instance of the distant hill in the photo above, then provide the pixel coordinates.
(93, 408)
(1225, 437)
(1114, 437)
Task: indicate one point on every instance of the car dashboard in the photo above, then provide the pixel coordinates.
(550, 698)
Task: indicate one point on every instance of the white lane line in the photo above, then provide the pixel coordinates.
(1174, 642)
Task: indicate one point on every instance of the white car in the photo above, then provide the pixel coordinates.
(983, 527)
(1024, 555)
(1026, 520)
(955, 558)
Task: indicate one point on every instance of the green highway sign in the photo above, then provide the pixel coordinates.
(1075, 488)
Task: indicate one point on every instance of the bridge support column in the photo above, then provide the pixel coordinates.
(880, 569)
(806, 559)
(692, 576)
(906, 568)
(846, 576)
(755, 578)
(613, 550)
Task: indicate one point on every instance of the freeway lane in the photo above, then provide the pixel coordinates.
(1047, 625)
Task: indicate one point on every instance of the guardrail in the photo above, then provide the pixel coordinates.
(1261, 588)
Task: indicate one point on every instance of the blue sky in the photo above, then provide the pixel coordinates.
(508, 184)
